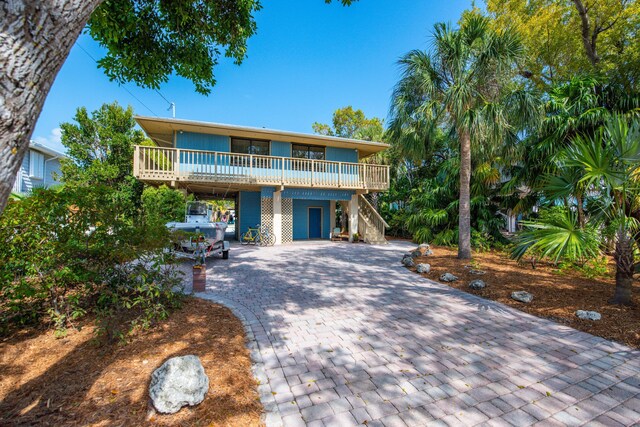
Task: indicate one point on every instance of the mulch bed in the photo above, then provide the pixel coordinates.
(75, 381)
(557, 295)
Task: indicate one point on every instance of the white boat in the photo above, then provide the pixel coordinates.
(203, 235)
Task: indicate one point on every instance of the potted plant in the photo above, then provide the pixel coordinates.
(356, 237)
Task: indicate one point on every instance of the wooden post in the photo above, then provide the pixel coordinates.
(176, 164)
(353, 216)
(136, 162)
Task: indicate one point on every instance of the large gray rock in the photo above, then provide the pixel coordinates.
(425, 249)
(423, 268)
(180, 381)
(588, 315)
(408, 262)
(477, 284)
(522, 296)
(448, 277)
(477, 272)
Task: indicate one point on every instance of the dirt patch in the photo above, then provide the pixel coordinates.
(557, 295)
(73, 381)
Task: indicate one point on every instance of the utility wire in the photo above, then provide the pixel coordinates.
(121, 85)
(163, 97)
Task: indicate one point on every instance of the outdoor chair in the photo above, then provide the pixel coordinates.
(335, 235)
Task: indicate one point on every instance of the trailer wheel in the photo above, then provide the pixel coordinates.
(225, 254)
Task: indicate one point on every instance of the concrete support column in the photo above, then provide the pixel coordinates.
(277, 216)
(332, 217)
(353, 216)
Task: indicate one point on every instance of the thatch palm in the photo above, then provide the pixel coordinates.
(608, 167)
(459, 86)
(580, 106)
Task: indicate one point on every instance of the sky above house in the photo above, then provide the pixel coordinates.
(306, 60)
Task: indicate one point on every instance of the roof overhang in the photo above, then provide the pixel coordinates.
(33, 145)
(162, 130)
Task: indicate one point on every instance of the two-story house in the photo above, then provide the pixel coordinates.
(287, 181)
(40, 168)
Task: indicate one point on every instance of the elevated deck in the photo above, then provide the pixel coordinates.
(181, 167)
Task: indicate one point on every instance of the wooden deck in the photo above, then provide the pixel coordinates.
(175, 165)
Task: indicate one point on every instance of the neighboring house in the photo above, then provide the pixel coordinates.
(289, 182)
(40, 168)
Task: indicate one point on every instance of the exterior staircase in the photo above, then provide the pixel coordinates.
(371, 226)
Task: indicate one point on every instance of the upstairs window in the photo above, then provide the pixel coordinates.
(36, 165)
(311, 152)
(249, 146)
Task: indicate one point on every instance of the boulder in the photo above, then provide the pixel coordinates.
(425, 249)
(522, 296)
(477, 272)
(408, 262)
(415, 254)
(423, 268)
(448, 277)
(477, 284)
(588, 315)
(180, 381)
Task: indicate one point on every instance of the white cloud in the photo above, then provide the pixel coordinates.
(53, 140)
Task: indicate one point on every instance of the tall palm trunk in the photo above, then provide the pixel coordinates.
(623, 256)
(464, 225)
(580, 206)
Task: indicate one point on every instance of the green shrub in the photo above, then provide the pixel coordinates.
(163, 204)
(67, 253)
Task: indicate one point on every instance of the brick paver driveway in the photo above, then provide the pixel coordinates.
(342, 334)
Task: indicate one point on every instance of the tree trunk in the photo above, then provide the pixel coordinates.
(580, 208)
(464, 225)
(589, 36)
(624, 268)
(35, 39)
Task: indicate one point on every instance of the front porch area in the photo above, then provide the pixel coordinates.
(300, 214)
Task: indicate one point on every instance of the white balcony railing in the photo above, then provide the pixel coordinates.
(176, 164)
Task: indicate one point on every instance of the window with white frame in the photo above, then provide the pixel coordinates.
(36, 165)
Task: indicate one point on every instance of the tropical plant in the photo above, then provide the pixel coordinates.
(608, 166)
(580, 106)
(462, 86)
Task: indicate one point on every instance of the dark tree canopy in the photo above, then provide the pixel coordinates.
(148, 40)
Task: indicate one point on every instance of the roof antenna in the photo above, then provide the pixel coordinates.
(172, 107)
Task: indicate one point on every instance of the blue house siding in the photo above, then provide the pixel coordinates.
(341, 154)
(250, 210)
(202, 141)
(24, 170)
(280, 149)
(52, 168)
(267, 191)
(301, 218)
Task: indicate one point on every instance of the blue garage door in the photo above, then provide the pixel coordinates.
(315, 223)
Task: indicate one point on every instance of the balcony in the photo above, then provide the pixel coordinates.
(180, 166)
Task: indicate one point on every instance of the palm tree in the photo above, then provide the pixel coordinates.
(459, 86)
(580, 106)
(607, 166)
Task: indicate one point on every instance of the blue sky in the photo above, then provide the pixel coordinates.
(306, 60)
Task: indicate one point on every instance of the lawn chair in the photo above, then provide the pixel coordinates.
(335, 235)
